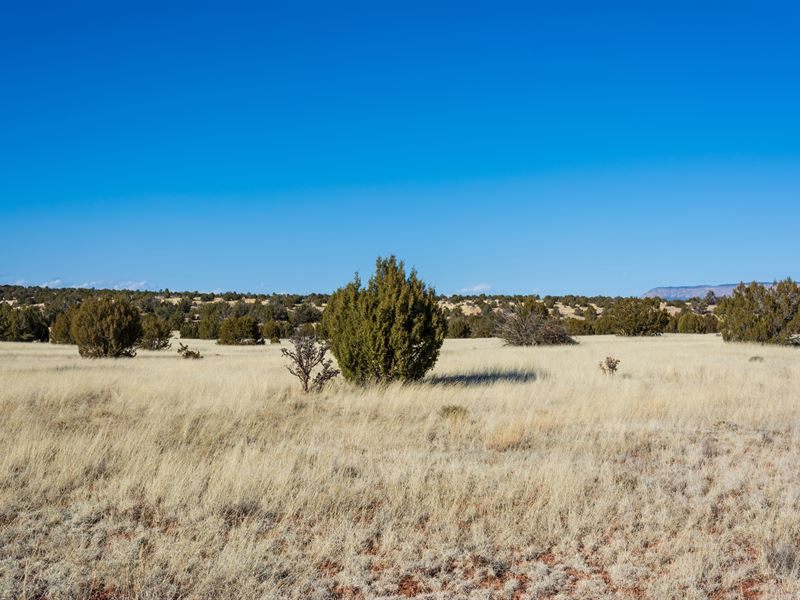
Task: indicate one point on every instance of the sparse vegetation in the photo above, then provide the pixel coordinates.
(390, 330)
(203, 483)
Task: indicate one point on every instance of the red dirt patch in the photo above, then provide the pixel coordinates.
(410, 587)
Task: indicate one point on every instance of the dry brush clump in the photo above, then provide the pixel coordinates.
(156, 478)
(307, 356)
(527, 326)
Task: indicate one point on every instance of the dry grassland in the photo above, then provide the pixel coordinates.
(512, 473)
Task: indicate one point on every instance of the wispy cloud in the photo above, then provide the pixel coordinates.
(130, 285)
(478, 288)
(53, 283)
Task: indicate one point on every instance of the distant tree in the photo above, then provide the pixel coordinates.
(189, 329)
(156, 333)
(574, 326)
(634, 317)
(305, 313)
(211, 317)
(756, 313)
(61, 330)
(392, 329)
(26, 324)
(458, 327)
(106, 326)
(271, 330)
(238, 331)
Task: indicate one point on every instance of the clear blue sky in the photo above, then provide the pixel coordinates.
(531, 147)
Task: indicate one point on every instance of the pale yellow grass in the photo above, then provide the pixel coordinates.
(159, 477)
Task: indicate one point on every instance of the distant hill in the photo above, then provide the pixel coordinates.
(692, 291)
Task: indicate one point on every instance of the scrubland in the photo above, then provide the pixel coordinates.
(508, 473)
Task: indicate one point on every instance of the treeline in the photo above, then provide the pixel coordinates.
(26, 314)
(619, 316)
(755, 313)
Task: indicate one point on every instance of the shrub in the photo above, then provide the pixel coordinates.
(305, 313)
(578, 326)
(306, 356)
(609, 365)
(633, 317)
(755, 313)
(156, 333)
(239, 331)
(458, 327)
(187, 352)
(190, 329)
(392, 329)
(527, 327)
(271, 330)
(306, 330)
(106, 326)
(61, 330)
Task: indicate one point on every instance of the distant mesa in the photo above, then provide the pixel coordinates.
(692, 291)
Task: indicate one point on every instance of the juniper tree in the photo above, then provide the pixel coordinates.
(239, 330)
(634, 317)
(61, 330)
(391, 329)
(755, 313)
(106, 326)
(156, 333)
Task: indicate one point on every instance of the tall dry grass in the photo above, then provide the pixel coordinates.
(511, 473)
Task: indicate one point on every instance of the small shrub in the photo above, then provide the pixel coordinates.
(306, 356)
(756, 359)
(106, 326)
(156, 333)
(609, 365)
(187, 352)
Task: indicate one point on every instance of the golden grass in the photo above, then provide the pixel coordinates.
(514, 473)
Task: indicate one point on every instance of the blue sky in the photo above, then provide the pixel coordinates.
(552, 147)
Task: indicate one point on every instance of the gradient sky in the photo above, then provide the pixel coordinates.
(532, 147)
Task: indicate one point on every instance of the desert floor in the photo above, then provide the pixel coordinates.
(509, 473)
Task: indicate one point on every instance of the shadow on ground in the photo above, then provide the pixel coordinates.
(484, 378)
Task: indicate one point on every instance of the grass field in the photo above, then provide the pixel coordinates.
(512, 473)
